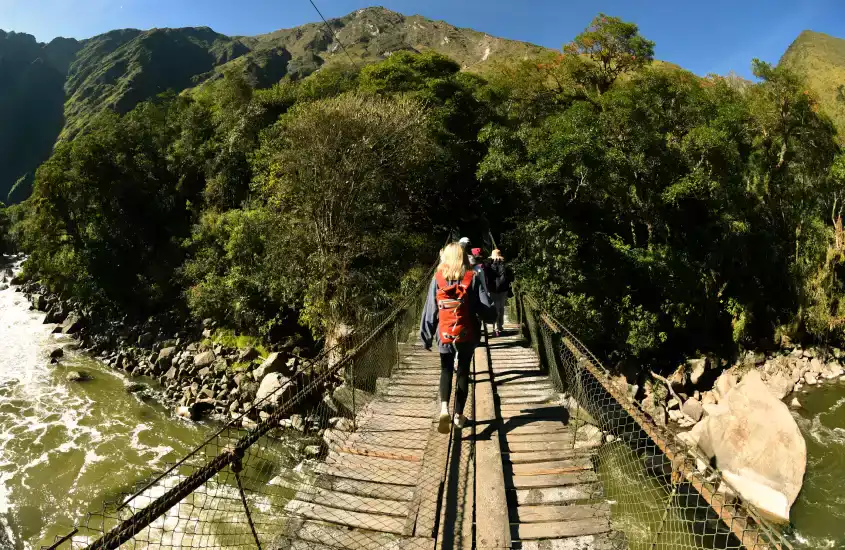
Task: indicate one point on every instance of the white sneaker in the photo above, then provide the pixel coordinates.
(443, 423)
(460, 420)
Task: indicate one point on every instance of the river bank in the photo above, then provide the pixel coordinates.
(66, 447)
(199, 378)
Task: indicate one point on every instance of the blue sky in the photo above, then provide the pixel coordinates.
(701, 35)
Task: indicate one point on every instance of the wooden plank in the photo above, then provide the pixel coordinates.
(552, 480)
(491, 525)
(522, 426)
(553, 408)
(530, 443)
(551, 467)
(583, 542)
(533, 531)
(405, 400)
(415, 410)
(560, 438)
(524, 389)
(381, 422)
(526, 399)
(411, 439)
(312, 532)
(424, 509)
(516, 380)
(380, 475)
(365, 488)
(542, 514)
(544, 456)
(360, 520)
(559, 495)
(355, 503)
(373, 463)
(361, 449)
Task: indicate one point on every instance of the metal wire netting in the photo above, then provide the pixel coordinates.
(308, 449)
(664, 495)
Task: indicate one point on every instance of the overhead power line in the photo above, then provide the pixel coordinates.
(334, 35)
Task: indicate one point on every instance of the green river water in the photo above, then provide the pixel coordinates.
(65, 447)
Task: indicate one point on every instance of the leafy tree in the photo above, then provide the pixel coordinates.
(614, 47)
(342, 177)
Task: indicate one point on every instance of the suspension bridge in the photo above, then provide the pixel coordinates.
(554, 455)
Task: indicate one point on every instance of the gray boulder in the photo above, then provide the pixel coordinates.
(78, 376)
(204, 359)
(247, 354)
(72, 324)
(780, 385)
(165, 356)
(274, 363)
(271, 390)
(697, 367)
(757, 446)
(146, 339)
(693, 409)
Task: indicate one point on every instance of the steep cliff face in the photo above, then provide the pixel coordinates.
(32, 77)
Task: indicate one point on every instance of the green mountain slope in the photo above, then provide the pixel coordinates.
(41, 82)
(820, 59)
(32, 77)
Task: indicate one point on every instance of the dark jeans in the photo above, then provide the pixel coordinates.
(447, 365)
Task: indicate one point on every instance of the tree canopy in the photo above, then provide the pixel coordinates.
(658, 213)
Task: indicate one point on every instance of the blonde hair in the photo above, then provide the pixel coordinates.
(496, 256)
(453, 262)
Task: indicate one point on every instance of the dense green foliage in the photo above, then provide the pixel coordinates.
(658, 213)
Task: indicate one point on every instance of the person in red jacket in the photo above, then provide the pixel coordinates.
(456, 305)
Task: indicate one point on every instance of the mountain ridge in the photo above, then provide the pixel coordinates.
(118, 69)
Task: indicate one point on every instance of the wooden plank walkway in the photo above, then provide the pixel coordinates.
(555, 499)
(379, 486)
(393, 482)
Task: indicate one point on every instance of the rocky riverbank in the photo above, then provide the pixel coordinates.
(736, 417)
(196, 377)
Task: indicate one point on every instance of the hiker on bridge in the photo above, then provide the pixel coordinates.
(457, 303)
(499, 283)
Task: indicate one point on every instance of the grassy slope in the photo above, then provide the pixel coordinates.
(820, 59)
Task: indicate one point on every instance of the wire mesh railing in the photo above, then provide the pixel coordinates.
(296, 455)
(663, 495)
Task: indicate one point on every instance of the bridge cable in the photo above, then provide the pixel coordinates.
(334, 35)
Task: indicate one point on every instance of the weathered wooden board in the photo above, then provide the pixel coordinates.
(559, 495)
(528, 531)
(551, 467)
(360, 520)
(551, 480)
(313, 532)
(545, 514)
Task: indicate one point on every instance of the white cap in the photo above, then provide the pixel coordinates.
(464, 242)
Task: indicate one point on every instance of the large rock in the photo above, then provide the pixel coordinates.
(204, 359)
(693, 409)
(72, 324)
(271, 390)
(780, 385)
(831, 370)
(247, 354)
(165, 356)
(757, 446)
(697, 367)
(725, 383)
(275, 362)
